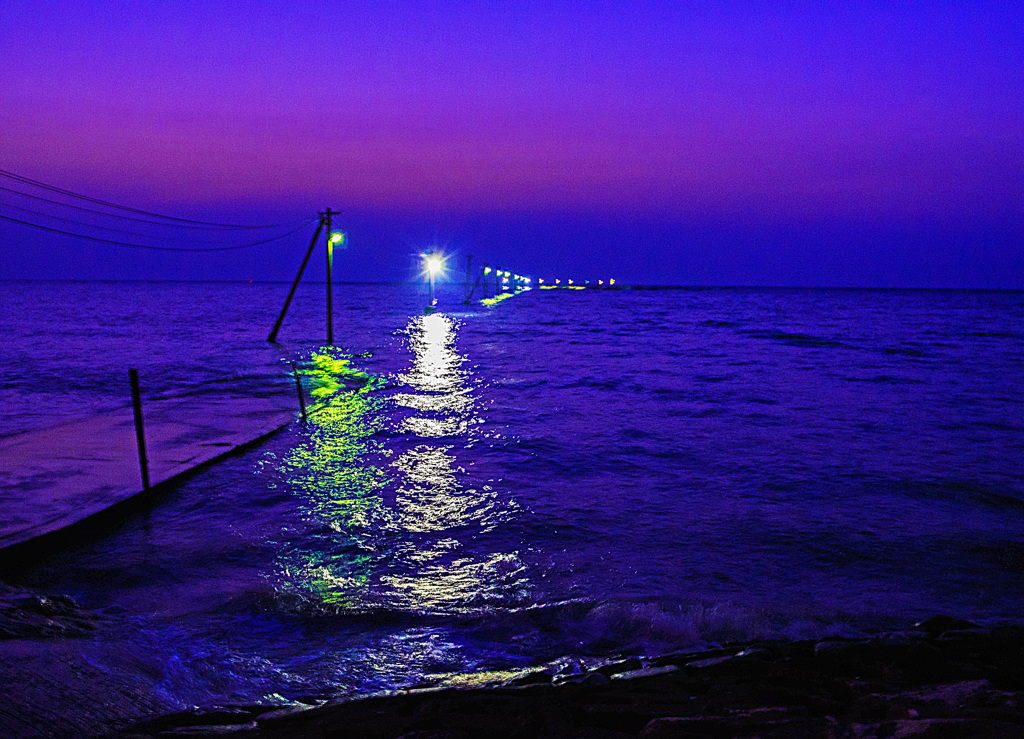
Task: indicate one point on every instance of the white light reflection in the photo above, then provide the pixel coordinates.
(435, 363)
(432, 503)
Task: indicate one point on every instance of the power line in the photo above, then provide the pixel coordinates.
(111, 229)
(42, 185)
(155, 248)
(126, 218)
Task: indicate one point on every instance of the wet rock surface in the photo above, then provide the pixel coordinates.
(942, 678)
(26, 615)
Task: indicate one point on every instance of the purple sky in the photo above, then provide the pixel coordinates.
(738, 143)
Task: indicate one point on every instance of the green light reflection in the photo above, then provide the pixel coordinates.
(392, 521)
(340, 481)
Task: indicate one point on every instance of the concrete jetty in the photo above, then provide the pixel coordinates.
(57, 477)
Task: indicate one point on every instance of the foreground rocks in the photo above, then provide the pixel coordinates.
(943, 678)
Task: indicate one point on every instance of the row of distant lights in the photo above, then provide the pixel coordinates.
(435, 264)
(585, 282)
(505, 275)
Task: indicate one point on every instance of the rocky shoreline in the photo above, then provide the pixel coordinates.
(941, 678)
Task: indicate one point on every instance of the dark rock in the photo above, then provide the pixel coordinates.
(690, 727)
(954, 695)
(961, 634)
(214, 730)
(617, 668)
(280, 713)
(949, 728)
(897, 712)
(681, 658)
(629, 719)
(801, 728)
(533, 678)
(193, 718)
(591, 679)
(703, 664)
(26, 615)
(937, 625)
(903, 684)
(645, 672)
(925, 663)
(594, 733)
(747, 662)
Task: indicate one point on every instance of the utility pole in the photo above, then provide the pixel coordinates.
(331, 240)
(291, 293)
(330, 259)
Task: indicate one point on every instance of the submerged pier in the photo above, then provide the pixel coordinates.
(63, 476)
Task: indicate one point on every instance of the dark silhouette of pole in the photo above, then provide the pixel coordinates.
(298, 386)
(469, 269)
(295, 284)
(140, 436)
(472, 290)
(330, 304)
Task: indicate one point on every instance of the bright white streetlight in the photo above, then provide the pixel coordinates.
(434, 266)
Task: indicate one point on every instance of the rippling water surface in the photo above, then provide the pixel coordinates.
(561, 475)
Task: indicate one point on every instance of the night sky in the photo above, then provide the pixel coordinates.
(880, 144)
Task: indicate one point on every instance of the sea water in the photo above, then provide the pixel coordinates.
(562, 475)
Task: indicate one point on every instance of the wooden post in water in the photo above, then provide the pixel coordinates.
(298, 386)
(472, 290)
(291, 293)
(469, 268)
(140, 436)
(330, 259)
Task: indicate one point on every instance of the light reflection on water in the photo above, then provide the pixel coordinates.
(388, 504)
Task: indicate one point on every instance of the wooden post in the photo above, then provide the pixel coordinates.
(330, 305)
(298, 386)
(472, 290)
(291, 293)
(140, 436)
(469, 268)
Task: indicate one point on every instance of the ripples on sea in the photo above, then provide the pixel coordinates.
(563, 475)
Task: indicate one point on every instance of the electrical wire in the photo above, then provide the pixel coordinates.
(42, 185)
(110, 229)
(126, 218)
(156, 248)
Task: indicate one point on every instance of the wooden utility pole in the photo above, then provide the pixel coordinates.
(325, 224)
(140, 434)
(295, 284)
(330, 259)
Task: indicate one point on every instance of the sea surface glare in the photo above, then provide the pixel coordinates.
(564, 475)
